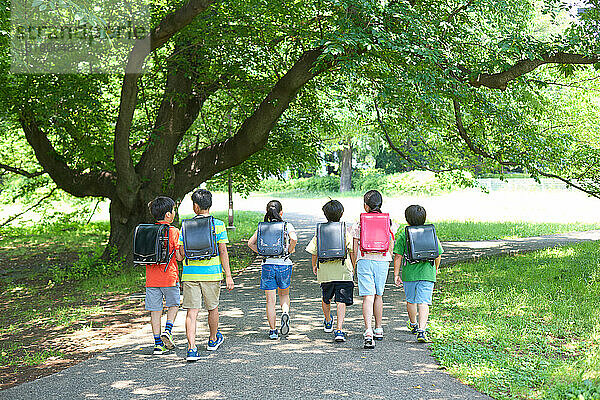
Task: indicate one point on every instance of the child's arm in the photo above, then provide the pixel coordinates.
(252, 243)
(314, 263)
(224, 256)
(292, 246)
(355, 246)
(180, 253)
(437, 263)
(397, 263)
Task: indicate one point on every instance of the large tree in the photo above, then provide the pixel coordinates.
(133, 136)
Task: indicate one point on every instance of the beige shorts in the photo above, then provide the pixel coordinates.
(194, 291)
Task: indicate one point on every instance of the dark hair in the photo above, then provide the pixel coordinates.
(160, 206)
(374, 200)
(415, 215)
(273, 209)
(333, 210)
(203, 198)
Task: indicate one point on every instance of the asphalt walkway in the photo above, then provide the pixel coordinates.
(307, 365)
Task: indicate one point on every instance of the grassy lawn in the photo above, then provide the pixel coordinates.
(470, 230)
(523, 327)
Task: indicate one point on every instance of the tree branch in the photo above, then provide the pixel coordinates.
(129, 182)
(253, 133)
(40, 201)
(22, 172)
(80, 184)
(402, 154)
(500, 80)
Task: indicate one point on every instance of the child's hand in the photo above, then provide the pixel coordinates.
(315, 269)
(229, 283)
(398, 281)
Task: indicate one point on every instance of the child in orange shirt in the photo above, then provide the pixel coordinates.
(163, 283)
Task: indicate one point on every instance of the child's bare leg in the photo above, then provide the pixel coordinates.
(271, 307)
(378, 310)
(213, 323)
(172, 313)
(190, 327)
(368, 310)
(326, 310)
(411, 308)
(155, 321)
(341, 314)
(284, 300)
(423, 315)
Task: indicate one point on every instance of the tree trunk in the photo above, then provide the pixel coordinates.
(346, 168)
(122, 225)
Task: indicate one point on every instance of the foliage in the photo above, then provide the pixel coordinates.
(86, 267)
(405, 182)
(524, 326)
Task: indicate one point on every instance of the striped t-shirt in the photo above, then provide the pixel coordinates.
(205, 270)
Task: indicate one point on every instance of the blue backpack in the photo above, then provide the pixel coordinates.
(270, 239)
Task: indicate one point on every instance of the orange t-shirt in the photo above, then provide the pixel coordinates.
(156, 276)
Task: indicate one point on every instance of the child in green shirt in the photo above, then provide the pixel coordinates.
(418, 278)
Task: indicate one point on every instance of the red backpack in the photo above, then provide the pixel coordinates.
(375, 233)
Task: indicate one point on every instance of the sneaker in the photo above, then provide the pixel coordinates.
(378, 333)
(159, 349)
(369, 343)
(413, 328)
(213, 345)
(285, 324)
(273, 335)
(192, 355)
(422, 337)
(328, 326)
(167, 339)
(339, 336)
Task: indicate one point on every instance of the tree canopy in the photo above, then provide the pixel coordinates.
(241, 88)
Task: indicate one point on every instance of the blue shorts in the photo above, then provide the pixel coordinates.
(371, 276)
(155, 296)
(418, 292)
(275, 276)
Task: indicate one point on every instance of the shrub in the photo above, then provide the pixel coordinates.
(88, 266)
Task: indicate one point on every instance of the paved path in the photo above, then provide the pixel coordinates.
(307, 365)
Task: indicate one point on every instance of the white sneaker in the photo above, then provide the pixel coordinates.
(378, 333)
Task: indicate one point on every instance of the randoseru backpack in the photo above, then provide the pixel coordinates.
(421, 244)
(199, 238)
(375, 233)
(331, 242)
(270, 239)
(151, 244)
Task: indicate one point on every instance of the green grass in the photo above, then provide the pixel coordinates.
(471, 230)
(523, 327)
(15, 355)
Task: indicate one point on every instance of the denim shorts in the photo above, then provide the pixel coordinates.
(275, 276)
(371, 276)
(155, 296)
(418, 292)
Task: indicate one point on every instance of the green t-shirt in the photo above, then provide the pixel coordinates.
(421, 271)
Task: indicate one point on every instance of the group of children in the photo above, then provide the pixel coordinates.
(202, 278)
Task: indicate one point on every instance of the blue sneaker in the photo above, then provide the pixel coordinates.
(192, 355)
(339, 336)
(328, 326)
(213, 345)
(273, 335)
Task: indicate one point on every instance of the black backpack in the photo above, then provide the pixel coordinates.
(199, 238)
(331, 242)
(270, 239)
(421, 244)
(151, 244)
